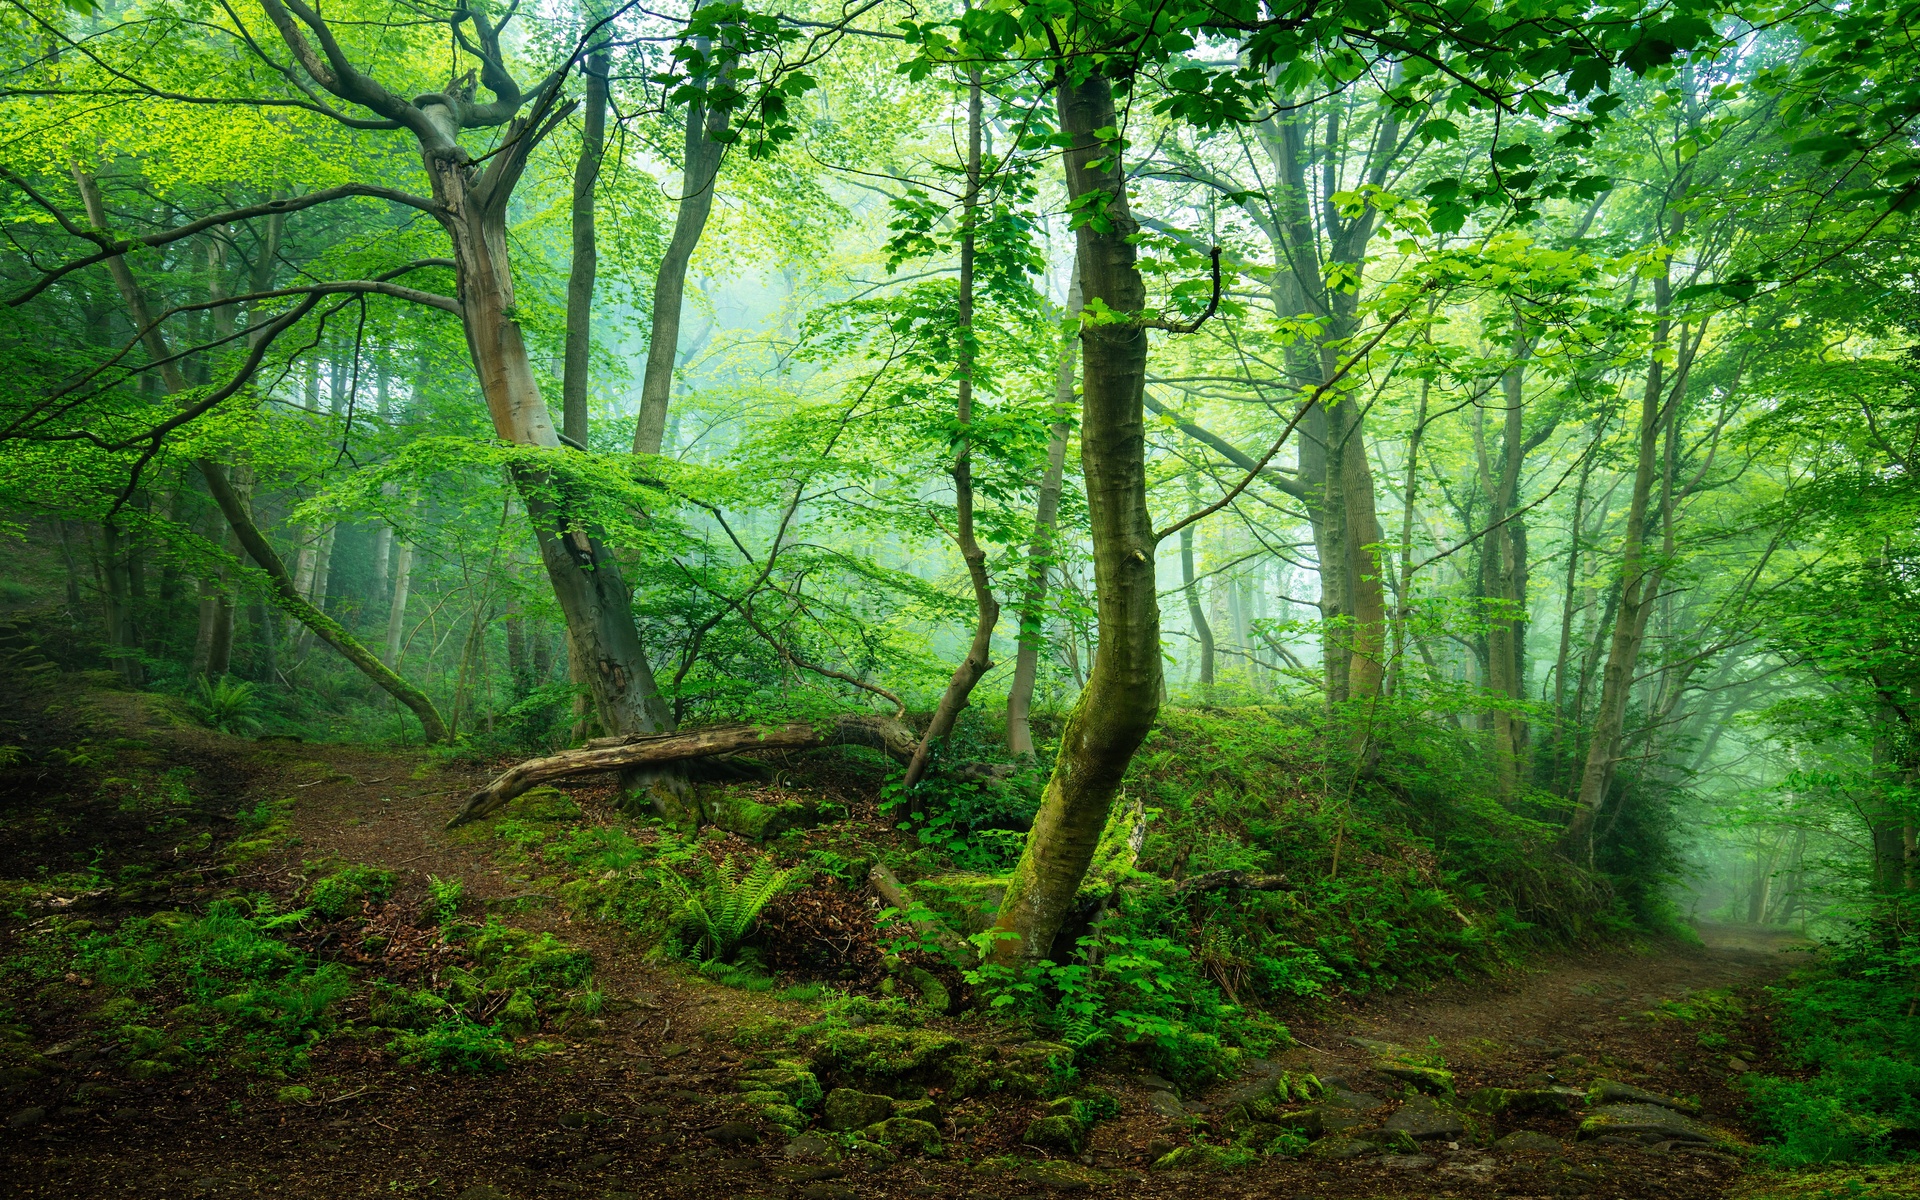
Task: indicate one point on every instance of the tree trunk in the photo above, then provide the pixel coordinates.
(122, 634)
(397, 610)
(1122, 697)
(319, 585)
(1630, 626)
(1046, 521)
(585, 576)
(326, 628)
(979, 659)
(701, 161)
(586, 253)
(1195, 614)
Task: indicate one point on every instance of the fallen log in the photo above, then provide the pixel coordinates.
(1213, 881)
(646, 750)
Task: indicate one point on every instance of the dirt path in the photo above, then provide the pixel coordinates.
(642, 1102)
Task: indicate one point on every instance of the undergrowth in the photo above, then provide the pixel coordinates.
(1850, 1025)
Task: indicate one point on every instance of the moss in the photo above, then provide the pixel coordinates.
(795, 1084)
(1061, 1132)
(904, 1133)
(339, 893)
(966, 902)
(1205, 1158)
(1835, 1183)
(510, 957)
(886, 1052)
(741, 813)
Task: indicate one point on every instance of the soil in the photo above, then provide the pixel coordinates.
(642, 1106)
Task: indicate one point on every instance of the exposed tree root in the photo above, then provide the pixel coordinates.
(647, 750)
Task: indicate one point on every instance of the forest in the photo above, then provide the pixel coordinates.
(1246, 598)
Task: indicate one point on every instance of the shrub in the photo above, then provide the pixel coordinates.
(335, 895)
(714, 921)
(226, 704)
(456, 1044)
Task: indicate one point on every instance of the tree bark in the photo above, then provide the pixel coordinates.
(1630, 626)
(288, 597)
(979, 658)
(655, 750)
(397, 608)
(1122, 697)
(586, 253)
(701, 165)
(1195, 614)
(1040, 553)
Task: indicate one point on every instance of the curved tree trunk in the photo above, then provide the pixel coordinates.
(979, 659)
(1122, 697)
(328, 630)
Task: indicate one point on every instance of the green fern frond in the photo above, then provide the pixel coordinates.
(714, 921)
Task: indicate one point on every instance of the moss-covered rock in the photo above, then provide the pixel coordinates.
(847, 1109)
(917, 1110)
(887, 1052)
(792, 1081)
(1061, 1132)
(1059, 1176)
(1205, 1158)
(904, 1134)
(1493, 1102)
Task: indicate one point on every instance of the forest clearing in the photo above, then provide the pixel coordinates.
(1305, 599)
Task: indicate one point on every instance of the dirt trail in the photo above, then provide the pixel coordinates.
(641, 1104)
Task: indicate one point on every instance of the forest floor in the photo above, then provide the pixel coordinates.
(641, 1102)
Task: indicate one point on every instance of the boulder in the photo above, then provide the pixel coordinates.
(1061, 1176)
(889, 1052)
(792, 1080)
(1339, 1147)
(846, 1109)
(1422, 1119)
(1609, 1091)
(1062, 1132)
(1526, 1141)
(917, 1110)
(1167, 1105)
(903, 1133)
(1493, 1101)
(1643, 1122)
(1407, 1162)
(1434, 1081)
(812, 1145)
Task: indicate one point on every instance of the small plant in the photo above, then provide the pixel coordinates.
(336, 895)
(443, 898)
(456, 1044)
(715, 920)
(226, 704)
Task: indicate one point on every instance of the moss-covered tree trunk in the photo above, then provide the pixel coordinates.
(1122, 696)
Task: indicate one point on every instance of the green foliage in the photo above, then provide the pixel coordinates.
(226, 704)
(443, 899)
(456, 1044)
(1849, 1024)
(715, 919)
(340, 893)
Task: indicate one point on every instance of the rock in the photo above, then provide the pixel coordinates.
(1495, 1101)
(917, 1110)
(730, 1164)
(1270, 1091)
(482, 1191)
(1168, 1105)
(1643, 1122)
(1198, 1158)
(1608, 1091)
(294, 1094)
(1422, 1119)
(846, 1109)
(903, 1133)
(785, 1116)
(795, 1083)
(1397, 1141)
(735, 1133)
(812, 1145)
(1358, 1101)
(1339, 1148)
(593, 1162)
(1738, 1065)
(1061, 1176)
(1432, 1080)
(806, 1172)
(1473, 1168)
(1407, 1162)
(1526, 1141)
(1156, 1084)
(933, 993)
(27, 1118)
(1063, 1133)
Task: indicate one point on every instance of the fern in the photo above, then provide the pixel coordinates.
(226, 704)
(716, 919)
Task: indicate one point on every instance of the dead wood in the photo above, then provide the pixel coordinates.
(645, 750)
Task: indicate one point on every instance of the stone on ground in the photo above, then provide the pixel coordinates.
(1422, 1118)
(849, 1109)
(1527, 1141)
(1648, 1122)
(1061, 1176)
(1063, 1133)
(1609, 1091)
